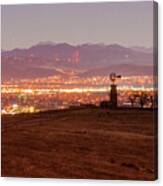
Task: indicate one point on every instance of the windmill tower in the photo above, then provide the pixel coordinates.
(113, 90)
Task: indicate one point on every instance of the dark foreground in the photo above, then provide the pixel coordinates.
(84, 143)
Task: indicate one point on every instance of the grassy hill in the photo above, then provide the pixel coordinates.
(79, 143)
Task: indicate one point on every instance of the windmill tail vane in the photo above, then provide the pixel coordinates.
(113, 77)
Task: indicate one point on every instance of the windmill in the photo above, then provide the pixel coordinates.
(113, 90)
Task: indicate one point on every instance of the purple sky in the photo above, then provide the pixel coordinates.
(125, 23)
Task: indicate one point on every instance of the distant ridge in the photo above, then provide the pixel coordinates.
(44, 58)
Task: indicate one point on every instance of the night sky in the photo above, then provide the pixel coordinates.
(125, 23)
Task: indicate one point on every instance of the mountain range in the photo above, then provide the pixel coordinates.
(48, 59)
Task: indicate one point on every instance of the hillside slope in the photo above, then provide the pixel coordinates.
(82, 143)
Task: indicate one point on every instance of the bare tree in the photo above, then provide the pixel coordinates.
(143, 99)
(151, 99)
(132, 99)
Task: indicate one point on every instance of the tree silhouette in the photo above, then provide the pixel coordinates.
(143, 99)
(132, 99)
(151, 99)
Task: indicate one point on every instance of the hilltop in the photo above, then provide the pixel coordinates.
(80, 143)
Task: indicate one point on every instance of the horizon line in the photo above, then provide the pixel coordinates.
(74, 45)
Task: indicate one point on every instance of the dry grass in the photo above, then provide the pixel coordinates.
(84, 143)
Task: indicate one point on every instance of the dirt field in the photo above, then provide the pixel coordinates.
(82, 143)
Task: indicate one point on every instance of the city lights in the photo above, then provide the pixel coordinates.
(56, 92)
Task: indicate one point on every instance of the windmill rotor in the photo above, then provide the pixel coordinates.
(113, 77)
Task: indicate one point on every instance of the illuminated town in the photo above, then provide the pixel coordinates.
(58, 92)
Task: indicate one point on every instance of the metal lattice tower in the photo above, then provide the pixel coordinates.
(113, 90)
